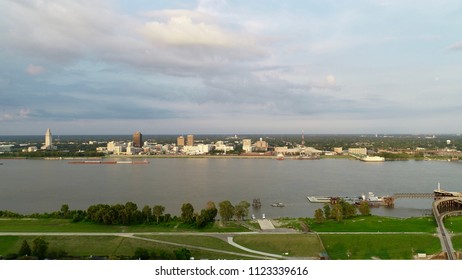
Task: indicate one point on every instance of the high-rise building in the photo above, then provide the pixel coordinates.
(138, 139)
(190, 140)
(180, 141)
(48, 139)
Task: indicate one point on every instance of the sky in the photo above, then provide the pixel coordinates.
(232, 67)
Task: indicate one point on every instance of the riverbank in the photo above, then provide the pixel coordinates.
(230, 156)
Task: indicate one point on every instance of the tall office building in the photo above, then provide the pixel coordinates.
(138, 139)
(190, 140)
(48, 139)
(180, 141)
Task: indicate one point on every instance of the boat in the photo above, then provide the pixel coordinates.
(92, 162)
(256, 203)
(278, 204)
(132, 162)
(371, 197)
(108, 162)
(280, 156)
(372, 159)
(319, 199)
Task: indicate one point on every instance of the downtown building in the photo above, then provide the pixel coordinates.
(137, 139)
(48, 141)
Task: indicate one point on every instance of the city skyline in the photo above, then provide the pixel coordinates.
(230, 67)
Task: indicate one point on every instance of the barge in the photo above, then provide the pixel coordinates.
(371, 199)
(108, 162)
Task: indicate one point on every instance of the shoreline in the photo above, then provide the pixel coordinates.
(271, 157)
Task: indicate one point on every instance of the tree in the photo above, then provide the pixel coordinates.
(211, 211)
(337, 212)
(364, 208)
(242, 210)
(326, 208)
(65, 211)
(207, 215)
(141, 254)
(319, 216)
(158, 211)
(132, 213)
(349, 210)
(147, 213)
(25, 249)
(187, 213)
(226, 210)
(39, 248)
(182, 254)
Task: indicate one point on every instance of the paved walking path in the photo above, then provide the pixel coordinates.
(266, 224)
(231, 242)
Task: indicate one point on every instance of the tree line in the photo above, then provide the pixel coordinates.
(341, 210)
(39, 250)
(130, 214)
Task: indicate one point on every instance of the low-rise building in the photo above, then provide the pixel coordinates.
(200, 149)
(261, 145)
(357, 151)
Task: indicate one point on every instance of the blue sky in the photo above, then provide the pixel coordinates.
(237, 67)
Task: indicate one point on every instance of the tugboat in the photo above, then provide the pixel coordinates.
(278, 204)
(256, 203)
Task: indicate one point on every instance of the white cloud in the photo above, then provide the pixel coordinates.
(182, 31)
(455, 47)
(330, 79)
(24, 112)
(34, 70)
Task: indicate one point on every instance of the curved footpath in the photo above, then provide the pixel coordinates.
(256, 254)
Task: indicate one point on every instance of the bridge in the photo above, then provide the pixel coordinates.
(445, 204)
(413, 195)
(443, 207)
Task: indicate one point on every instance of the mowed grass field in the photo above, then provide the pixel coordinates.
(356, 238)
(379, 246)
(113, 247)
(296, 245)
(375, 224)
(195, 240)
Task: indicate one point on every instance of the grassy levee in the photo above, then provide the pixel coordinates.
(296, 245)
(375, 224)
(114, 247)
(362, 237)
(66, 225)
(379, 246)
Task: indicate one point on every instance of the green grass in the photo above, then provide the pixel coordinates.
(297, 245)
(382, 246)
(195, 240)
(457, 242)
(453, 224)
(111, 246)
(375, 224)
(66, 225)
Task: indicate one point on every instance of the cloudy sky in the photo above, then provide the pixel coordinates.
(238, 67)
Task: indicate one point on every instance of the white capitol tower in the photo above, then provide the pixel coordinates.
(48, 139)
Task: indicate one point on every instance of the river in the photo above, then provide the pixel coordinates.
(29, 186)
